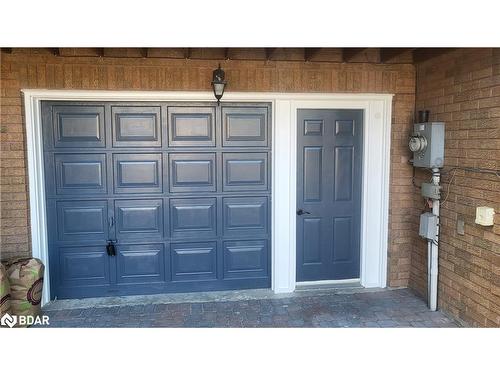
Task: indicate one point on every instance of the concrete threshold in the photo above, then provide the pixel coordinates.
(199, 297)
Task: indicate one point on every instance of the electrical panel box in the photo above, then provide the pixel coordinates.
(430, 190)
(428, 226)
(427, 144)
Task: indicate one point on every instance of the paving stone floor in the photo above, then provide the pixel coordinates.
(385, 308)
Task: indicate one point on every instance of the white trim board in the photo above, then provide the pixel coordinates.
(375, 188)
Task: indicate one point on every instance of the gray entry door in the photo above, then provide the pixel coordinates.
(329, 193)
(157, 197)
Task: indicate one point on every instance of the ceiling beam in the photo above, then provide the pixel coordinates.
(325, 55)
(349, 53)
(247, 53)
(270, 53)
(309, 53)
(118, 52)
(387, 54)
(361, 55)
(423, 54)
(207, 53)
(169, 53)
(81, 52)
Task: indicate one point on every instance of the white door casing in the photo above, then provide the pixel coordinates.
(375, 184)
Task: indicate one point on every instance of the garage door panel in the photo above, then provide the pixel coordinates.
(139, 218)
(136, 126)
(82, 220)
(138, 173)
(78, 126)
(244, 259)
(80, 266)
(245, 216)
(244, 126)
(245, 171)
(140, 263)
(183, 190)
(191, 126)
(81, 173)
(194, 261)
(193, 217)
(192, 172)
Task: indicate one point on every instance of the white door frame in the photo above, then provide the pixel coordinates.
(375, 188)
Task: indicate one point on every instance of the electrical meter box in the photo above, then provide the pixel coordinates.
(428, 226)
(427, 144)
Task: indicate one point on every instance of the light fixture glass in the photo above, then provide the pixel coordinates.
(219, 89)
(218, 83)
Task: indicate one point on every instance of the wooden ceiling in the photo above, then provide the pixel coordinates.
(338, 55)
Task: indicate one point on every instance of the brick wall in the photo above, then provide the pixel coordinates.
(32, 68)
(462, 88)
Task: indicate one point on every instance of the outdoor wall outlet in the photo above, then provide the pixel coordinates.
(485, 216)
(460, 226)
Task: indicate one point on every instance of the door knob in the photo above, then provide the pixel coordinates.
(301, 212)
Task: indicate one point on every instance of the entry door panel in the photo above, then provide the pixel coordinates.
(182, 190)
(328, 194)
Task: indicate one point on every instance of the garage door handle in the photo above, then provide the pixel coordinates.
(111, 221)
(110, 248)
(301, 212)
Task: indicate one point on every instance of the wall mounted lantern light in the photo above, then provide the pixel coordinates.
(218, 83)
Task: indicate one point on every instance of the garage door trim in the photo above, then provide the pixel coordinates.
(374, 231)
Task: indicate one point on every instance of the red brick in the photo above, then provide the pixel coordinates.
(472, 139)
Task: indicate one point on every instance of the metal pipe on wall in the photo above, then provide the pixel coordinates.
(429, 257)
(433, 260)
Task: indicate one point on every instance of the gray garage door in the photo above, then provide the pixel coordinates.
(147, 198)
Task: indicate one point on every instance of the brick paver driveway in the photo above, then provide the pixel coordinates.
(385, 308)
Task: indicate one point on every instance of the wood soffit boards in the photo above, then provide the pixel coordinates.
(335, 55)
